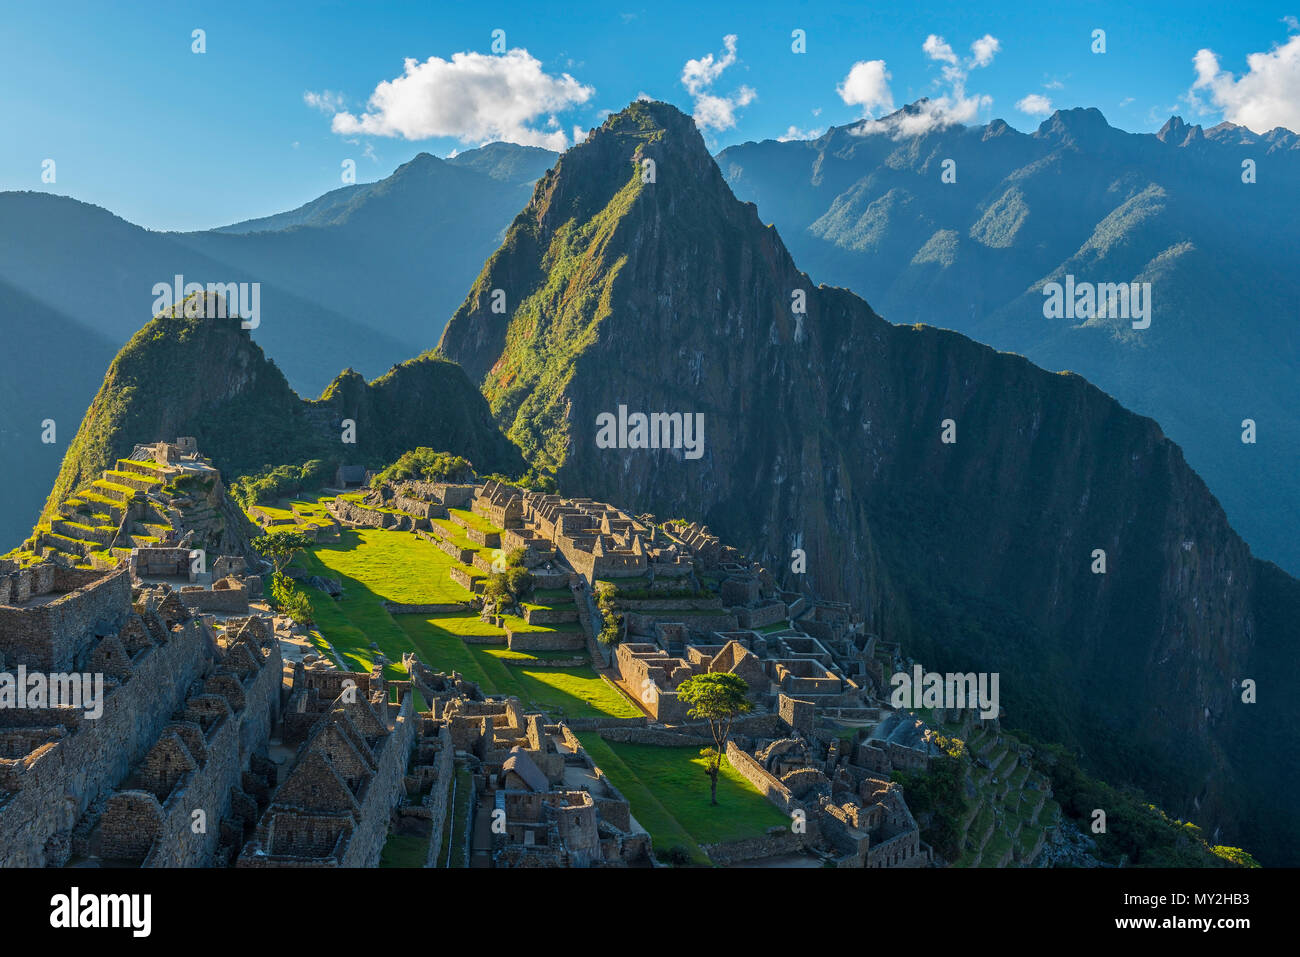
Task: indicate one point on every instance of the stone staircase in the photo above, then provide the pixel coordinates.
(91, 527)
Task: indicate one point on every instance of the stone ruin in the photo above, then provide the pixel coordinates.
(186, 715)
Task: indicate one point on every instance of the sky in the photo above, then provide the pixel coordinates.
(282, 97)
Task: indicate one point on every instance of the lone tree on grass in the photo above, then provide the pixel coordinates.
(280, 547)
(718, 698)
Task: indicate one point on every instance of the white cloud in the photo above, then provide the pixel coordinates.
(1035, 104)
(984, 49)
(794, 133)
(936, 48)
(698, 75)
(867, 86)
(473, 97)
(326, 101)
(1125, 102)
(1292, 24)
(1266, 96)
(1053, 85)
(713, 111)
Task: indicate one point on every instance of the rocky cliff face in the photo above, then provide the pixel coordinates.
(207, 378)
(651, 287)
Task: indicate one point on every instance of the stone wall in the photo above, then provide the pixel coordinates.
(757, 775)
(545, 640)
(56, 789)
(228, 600)
(642, 623)
(656, 736)
(57, 636)
(551, 616)
(385, 791)
(778, 841)
(397, 608)
(762, 616)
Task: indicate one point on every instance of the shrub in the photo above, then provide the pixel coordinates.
(291, 600)
(424, 464)
(277, 482)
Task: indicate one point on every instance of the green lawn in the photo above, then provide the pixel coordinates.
(474, 521)
(402, 850)
(437, 640)
(669, 794)
(453, 832)
(560, 692)
(375, 565)
(392, 565)
(520, 626)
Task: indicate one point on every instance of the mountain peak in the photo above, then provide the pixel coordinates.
(1177, 132)
(1075, 125)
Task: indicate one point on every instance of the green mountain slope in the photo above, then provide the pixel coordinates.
(207, 378)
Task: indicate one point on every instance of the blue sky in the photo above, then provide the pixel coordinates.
(171, 139)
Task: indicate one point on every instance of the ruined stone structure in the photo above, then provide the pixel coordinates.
(184, 714)
(333, 808)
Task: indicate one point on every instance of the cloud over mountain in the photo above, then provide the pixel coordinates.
(713, 111)
(473, 97)
(867, 85)
(1265, 97)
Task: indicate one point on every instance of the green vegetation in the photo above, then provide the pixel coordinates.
(719, 698)
(573, 692)
(270, 484)
(427, 465)
(292, 601)
(939, 797)
(662, 786)
(176, 376)
(402, 850)
(509, 587)
(561, 318)
(393, 566)
(1138, 833)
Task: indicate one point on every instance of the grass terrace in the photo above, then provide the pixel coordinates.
(473, 521)
(573, 692)
(669, 794)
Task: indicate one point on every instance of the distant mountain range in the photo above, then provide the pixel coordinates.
(1081, 198)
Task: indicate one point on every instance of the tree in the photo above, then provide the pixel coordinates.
(280, 547)
(612, 629)
(509, 587)
(718, 698)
